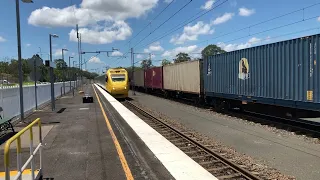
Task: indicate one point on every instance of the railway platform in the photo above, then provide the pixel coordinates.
(99, 140)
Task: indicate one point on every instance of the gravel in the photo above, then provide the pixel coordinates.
(256, 166)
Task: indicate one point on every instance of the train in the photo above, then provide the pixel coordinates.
(115, 81)
(280, 78)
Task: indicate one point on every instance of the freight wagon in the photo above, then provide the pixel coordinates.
(283, 74)
(183, 80)
(153, 80)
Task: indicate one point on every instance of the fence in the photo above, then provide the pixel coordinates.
(10, 97)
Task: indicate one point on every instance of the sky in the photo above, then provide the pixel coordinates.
(160, 27)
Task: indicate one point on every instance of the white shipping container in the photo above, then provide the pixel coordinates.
(139, 78)
(183, 77)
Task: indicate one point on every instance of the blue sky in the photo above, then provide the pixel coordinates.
(113, 23)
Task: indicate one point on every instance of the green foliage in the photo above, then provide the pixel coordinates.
(211, 50)
(4, 67)
(145, 64)
(165, 62)
(60, 63)
(181, 57)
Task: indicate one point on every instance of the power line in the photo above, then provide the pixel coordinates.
(289, 24)
(150, 22)
(265, 21)
(164, 22)
(173, 30)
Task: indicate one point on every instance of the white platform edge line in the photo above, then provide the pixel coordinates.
(179, 165)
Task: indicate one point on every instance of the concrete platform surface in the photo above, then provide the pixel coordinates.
(291, 155)
(78, 145)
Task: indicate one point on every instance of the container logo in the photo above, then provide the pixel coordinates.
(244, 69)
(153, 73)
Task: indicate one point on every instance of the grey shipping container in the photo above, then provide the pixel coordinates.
(284, 73)
(184, 77)
(139, 78)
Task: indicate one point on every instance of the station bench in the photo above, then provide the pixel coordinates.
(5, 123)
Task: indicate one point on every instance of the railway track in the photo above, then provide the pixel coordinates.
(204, 155)
(308, 128)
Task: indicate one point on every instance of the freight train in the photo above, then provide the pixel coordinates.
(115, 82)
(281, 78)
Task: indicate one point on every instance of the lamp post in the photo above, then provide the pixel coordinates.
(19, 56)
(63, 73)
(73, 74)
(70, 72)
(51, 72)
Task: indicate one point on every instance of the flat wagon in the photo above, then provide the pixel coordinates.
(283, 74)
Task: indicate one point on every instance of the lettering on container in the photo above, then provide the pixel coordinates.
(310, 95)
(244, 69)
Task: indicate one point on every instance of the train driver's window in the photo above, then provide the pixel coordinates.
(106, 78)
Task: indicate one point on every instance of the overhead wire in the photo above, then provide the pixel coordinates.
(164, 22)
(150, 22)
(182, 25)
(238, 30)
(262, 22)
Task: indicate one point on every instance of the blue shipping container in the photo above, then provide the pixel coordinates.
(284, 73)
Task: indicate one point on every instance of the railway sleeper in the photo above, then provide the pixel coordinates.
(205, 163)
(200, 157)
(183, 143)
(230, 176)
(218, 169)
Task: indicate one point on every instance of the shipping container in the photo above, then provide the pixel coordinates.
(139, 78)
(184, 77)
(284, 74)
(153, 78)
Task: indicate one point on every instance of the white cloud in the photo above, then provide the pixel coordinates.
(318, 19)
(233, 47)
(155, 47)
(208, 5)
(191, 33)
(139, 56)
(222, 19)
(100, 21)
(146, 51)
(95, 60)
(168, 1)
(58, 53)
(2, 39)
(28, 45)
(174, 52)
(116, 53)
(246, 12)
(254, 40)
(73, 54)
(120, 9)
(54, 45)
(120, 30)
(90, 12)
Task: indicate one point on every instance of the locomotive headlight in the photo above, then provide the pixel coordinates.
(125, 87)
(113, 88)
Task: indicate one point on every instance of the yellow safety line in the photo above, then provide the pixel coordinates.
(116, 142)
(14, 173)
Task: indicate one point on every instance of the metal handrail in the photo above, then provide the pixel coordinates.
(30, 160)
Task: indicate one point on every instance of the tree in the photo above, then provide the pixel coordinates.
(145, 64)
(165, 62)
(60, 63)
(4, 67)
(211, 50)
(181, 57)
